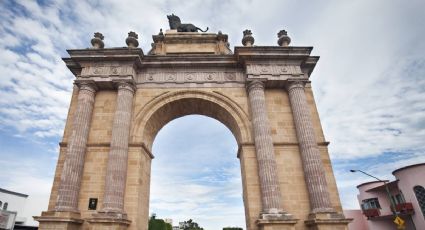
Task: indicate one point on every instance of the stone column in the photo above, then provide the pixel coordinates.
(72, 171)
(116, 173)
(270, 192)
(312, 164)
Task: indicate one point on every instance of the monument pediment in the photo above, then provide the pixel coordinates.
(174, 42)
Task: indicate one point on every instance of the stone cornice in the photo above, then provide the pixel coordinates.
(105, 83)
(274, 63)
(189, 60)
(258, 53)
(107, 54)
(242, 56)
(80, 56)
(277, 55)
(309, 64)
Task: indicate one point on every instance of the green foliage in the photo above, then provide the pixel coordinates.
(158, 224)
(191, 225)
(232, 228)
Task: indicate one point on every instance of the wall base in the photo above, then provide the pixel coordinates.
(59, 220)
(109, 221)
(327, 221)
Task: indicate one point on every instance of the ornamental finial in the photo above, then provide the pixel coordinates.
(248, 39)
(284, 39)
(97, 41)
(131, 40)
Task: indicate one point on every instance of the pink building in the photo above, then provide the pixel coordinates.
(407, 193)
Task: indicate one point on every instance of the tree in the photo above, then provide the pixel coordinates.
(158, 224)
(191, 225)
(232, 228)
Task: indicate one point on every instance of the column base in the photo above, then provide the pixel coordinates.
(59, 220)
(109, 220)
(276, 220)
(276, 224)
(327, 221)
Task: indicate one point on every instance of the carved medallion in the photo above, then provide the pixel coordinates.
(284, 69)
(114, 70)
(97, 70)
(189, 77)
(210, 76)
(171, 77)
(230, 76)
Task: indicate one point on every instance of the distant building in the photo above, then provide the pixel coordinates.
(176, 227)
(407, 193)
(15, 202)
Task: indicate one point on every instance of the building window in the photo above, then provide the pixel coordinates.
(5, 206)
(420, 196)
(371, 203)
(398, 199)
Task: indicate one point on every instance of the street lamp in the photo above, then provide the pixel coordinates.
(386, 188)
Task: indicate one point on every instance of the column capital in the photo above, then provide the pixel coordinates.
(125, 85)
(291, 84)
(256, 84)
(89, 86)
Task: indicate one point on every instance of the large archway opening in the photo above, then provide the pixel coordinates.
(211, 193)
(196, 174)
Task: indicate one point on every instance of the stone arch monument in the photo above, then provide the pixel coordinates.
(122, 98)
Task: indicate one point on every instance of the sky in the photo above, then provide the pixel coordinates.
(369, 87)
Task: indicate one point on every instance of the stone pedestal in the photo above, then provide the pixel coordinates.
(327, 221)
(173, 42)
(277, 224)
(59, 220)
(108, 221)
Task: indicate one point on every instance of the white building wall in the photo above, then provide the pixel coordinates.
(15, 203)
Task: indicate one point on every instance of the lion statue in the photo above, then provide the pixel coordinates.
(175, 23)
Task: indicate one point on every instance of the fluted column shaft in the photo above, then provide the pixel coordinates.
(312, 164)
(69, 186)
(270, 192)
(116, 173)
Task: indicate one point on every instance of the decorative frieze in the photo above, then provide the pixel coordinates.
(274, 70)
(107, 70)
(180, 77)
